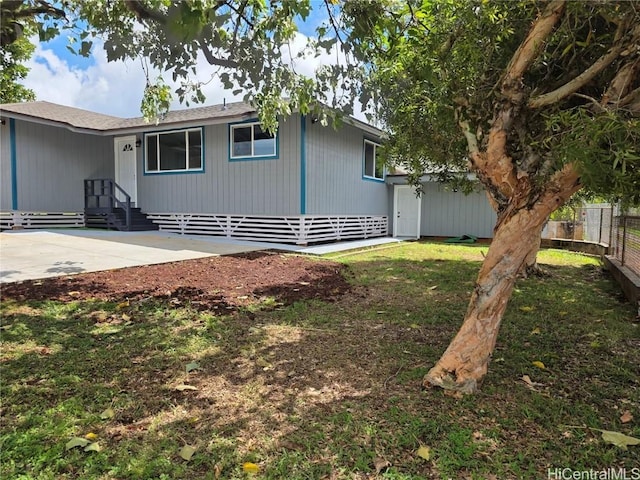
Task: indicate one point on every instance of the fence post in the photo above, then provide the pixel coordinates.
(624, 239)
(600, 229)
(611, 228)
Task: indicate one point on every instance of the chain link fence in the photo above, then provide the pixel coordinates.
(625, 241)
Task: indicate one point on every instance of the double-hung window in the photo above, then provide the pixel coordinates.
(174, 151)
(373, 163)
(249, 141)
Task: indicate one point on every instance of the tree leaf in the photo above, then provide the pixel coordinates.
(107, 413)
(187, 452)
(619, 439)
(182, 387)
(93, 447)
(251, 468)
(76, 442)
(91, 436)
(192, 366)
(539, 364)
(424, 452)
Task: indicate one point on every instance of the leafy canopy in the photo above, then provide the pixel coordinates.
(439, 65)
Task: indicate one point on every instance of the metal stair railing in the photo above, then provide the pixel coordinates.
(101, 196)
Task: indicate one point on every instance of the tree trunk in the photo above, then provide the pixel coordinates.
(465, 362)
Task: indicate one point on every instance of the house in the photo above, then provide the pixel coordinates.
(213, 170)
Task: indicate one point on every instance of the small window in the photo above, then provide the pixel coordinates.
(249, 141)
(176, 151)
(373, 164)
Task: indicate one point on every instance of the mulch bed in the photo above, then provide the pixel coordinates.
(218, 284)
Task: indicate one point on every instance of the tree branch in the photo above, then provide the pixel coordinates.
(578, 82)
(144, 13)
(530, 49)
(222, 62)
(561, 186)
(472, 141)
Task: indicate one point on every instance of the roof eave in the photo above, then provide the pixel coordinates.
(53, 123)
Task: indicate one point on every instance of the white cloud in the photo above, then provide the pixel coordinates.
(116, 88)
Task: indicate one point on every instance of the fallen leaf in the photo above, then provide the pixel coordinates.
(414, 325)
(187, 452)
(192, 366)
(380, 464)
(531, 384)
(122, 305)
(526, 309)
(217, 471)
(424, 452)
(251, 468)
(535, 331)
(91, 436)
(626, 417)
(76, 442)
(93, 447)
(539, 364)
(126, 317)
(182, 387)
(107, 413)
(619, 439)
(433, 287)
(74, 294)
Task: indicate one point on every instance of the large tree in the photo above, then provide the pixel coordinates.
(537, 98)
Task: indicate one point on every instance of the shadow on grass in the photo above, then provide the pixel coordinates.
(317, 389)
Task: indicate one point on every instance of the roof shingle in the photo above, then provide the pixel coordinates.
(84, 119)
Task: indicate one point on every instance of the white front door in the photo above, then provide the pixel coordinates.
(406, 208)
(126, 169)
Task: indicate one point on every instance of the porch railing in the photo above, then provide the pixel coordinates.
(101, 197)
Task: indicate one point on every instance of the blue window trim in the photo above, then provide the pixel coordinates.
(251, 121)
(14, 164)
(172, 172)
(369, 178)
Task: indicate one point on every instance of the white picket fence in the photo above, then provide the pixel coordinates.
(33, 220)
(300, 230)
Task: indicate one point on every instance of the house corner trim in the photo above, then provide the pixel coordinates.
(303, 164)
(14, 164)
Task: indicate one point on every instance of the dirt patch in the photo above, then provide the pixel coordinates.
(219, 284)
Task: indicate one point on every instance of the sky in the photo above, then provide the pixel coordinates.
(115, 88)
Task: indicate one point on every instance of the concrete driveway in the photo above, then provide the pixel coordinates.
(29, 255)
(35, 254)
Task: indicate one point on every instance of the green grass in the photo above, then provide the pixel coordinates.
(322, 389)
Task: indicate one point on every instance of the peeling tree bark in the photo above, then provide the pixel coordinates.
(522, 210)
(517, 235)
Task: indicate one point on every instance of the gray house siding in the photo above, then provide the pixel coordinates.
(334, 183)
(258, 187)
(448, 213)
(5, 166)
(52, 164)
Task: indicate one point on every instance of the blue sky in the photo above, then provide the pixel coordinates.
(115, 88)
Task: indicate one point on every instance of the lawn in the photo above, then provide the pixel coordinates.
(159, 389)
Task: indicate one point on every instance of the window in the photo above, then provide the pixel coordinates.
(175, 151)
(373, 165)
(249, 141)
